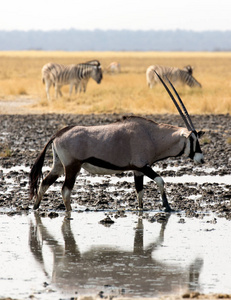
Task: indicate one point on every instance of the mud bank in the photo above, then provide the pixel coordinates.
(22, 137)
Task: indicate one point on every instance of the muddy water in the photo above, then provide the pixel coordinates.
(137, 255)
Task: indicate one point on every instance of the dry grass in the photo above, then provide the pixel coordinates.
(20, 74)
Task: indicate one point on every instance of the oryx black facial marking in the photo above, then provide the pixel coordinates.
(195, 149)
(134, 143)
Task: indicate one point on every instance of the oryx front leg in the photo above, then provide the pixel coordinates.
(139, 177)
(70, 177)
(148, 171)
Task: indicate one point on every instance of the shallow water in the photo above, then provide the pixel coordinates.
(72, 255)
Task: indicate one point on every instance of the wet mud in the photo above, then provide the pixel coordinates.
(22, 137)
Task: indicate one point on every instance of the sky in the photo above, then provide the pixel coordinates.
(197, 15)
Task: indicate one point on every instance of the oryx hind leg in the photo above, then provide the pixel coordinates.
(55, 172)
(148, 171)
(71, 172)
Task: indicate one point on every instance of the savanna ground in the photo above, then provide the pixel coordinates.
(22, 92)
(20, 79)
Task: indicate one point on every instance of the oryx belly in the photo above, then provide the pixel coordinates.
(99, 170)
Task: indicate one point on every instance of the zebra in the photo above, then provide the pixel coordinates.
(174, 74)
(59, 75)
(82, 84)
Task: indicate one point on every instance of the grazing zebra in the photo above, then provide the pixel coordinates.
(174, 74)
(59, 75)
(82, 84)
(113, 68)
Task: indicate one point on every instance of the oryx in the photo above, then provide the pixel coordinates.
(135, 143)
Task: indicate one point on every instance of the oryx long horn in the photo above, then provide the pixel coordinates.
(175, 102)
(182, 105)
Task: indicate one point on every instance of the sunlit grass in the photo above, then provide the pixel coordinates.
(20, 74)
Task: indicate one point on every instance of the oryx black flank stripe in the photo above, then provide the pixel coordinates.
(106, 165)
(109, 166)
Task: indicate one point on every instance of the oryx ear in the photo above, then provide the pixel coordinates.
(200, 133)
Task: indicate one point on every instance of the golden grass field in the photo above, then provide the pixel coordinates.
(127, 92)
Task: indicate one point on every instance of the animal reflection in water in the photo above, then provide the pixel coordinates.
(137, 272)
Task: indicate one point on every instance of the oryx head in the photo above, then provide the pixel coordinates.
(192, 149)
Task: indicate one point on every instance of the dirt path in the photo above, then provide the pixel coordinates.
(21, 105)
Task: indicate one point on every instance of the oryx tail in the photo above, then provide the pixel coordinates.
(36, 171)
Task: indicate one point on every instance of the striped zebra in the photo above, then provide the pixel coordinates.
(59, 75)
(174, 75)
(82, 84)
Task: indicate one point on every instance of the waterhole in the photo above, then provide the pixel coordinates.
(139, 255)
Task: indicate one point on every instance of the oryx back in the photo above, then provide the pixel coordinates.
(117, 147)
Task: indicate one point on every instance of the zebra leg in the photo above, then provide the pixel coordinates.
(71, 172)
(151, 85)
(58, 90)
(77, 87)
(84, 86)
(70, 89)
(138, 177)
(48, 85)
(148, 171)
(85, 82)
(55, 172)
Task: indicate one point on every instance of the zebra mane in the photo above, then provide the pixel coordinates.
(94, 62)
(85, 69)
(187, 78)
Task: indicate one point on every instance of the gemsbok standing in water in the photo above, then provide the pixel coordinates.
(59, 75)
(173, 74)
(133, 144)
